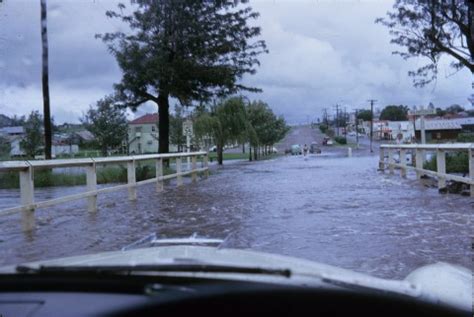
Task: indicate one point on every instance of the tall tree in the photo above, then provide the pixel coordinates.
(33, 140)
(45, 82)
(394, 113)
(225, 123)
(431, 29)
(365, 115)
(107, 123)
(190, 50)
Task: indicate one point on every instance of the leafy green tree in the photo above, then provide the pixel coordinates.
(190, 50)
(440, 112)
(266, 128)
(33, 141)
(394, 113)
(225, 123)
(454, 109)
(107, 123)
(431, 29)
(365, 115)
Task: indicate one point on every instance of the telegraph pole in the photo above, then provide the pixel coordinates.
(357, 127)
(337, 119)
(372, 101)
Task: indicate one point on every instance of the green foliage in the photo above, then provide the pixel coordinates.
(431, 29)
(454, 109)
(225, 123)
(455, 163)
(394, 113)
(323, 128)
(107, 123)
(4, 147)
(365, 115)
(190, 50)
(266, 128)
(108, 174)
(340, 140)
(33, 140)
(466, 137)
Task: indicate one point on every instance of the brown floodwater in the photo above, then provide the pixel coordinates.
(332, 209)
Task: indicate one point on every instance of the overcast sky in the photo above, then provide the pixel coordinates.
(322, 52)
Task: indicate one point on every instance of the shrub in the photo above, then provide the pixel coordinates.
(455, 163)
(340, 140)
(466, 137)
(323, 128)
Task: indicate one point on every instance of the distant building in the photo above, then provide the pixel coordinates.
(143, 135)
(10, 131)
(443, 130)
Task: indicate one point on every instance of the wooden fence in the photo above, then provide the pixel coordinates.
(26, 170)
(419, 154)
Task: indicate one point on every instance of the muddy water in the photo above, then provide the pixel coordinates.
(331, 209)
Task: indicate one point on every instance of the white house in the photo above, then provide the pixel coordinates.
(143, 135)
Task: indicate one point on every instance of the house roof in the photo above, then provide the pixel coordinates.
(453, 124)
(85, 135)
(12, 130)
(149, 118)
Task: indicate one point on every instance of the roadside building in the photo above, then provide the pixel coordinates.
(440, 130)
(143, 135)
(12, 131)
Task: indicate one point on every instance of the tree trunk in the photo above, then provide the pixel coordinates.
(250, 152)
(45, 83)
(163, 123)
(255, 153)
(104, 150)
(220, 154)
(243, 148)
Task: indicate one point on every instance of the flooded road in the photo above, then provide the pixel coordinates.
(326, 208)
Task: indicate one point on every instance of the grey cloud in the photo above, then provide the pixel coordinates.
(321, 52)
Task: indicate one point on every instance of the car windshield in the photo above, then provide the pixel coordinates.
(339, 132)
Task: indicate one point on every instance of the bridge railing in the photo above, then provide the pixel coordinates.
(418, 152)
(26, 174)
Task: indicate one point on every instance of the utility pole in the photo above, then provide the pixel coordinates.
(45, 83)
(337, 120)
(357, 127)
(372, 101)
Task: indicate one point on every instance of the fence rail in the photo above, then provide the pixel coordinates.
(420, 156)
(26, 171)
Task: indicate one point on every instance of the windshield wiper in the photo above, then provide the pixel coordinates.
(153, 268)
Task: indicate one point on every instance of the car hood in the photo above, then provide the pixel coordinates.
(439, 283)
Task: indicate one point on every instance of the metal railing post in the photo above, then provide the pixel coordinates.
(193, 167)
(27, 196)
(179, 177)
(159, 174)
(131, 180)
(441, 167)
(91, 183)
(403, 162)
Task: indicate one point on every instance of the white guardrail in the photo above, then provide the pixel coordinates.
(419, 158)
(26, 170)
